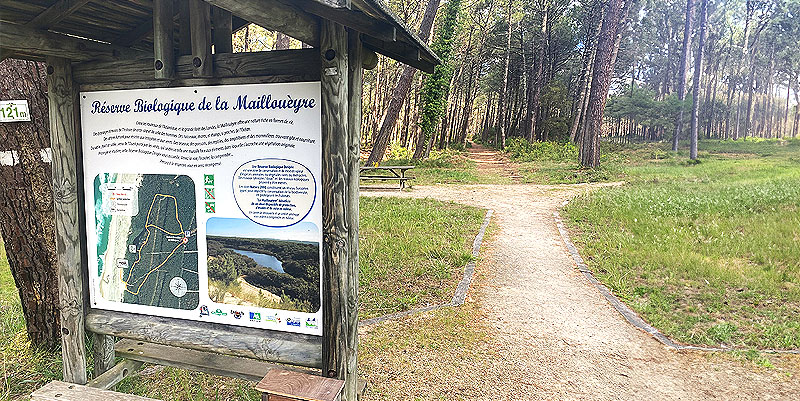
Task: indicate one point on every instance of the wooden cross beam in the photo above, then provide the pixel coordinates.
(23, 39)
(281, 17)
(357, 21)
(55, 13)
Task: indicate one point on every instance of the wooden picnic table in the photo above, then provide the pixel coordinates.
(386, 173)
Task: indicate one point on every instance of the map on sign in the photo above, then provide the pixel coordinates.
(147, 239)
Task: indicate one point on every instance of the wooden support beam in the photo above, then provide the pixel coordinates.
(401, 52)
(103, 352)
(301, 63)
(339, 209)
(19, 38)
(369, 60)
(163, 43)
(281, 17)
(60, 391)
(358, 21)
(63, 104)
(350, 295)
(184, 31)
(54, 14)
(265, 345)
(115, 374)
(222, 20)
(200, 28)
(200, 361)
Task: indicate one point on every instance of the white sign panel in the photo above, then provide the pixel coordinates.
(203, 203)
(14, 110)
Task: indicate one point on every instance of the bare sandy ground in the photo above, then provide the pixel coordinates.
(553, 336)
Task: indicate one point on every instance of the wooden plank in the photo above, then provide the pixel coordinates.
(222, 20)
(340, 208)
(335, 3)
(280, 17)
(177, 83)
(163, 43)
(27, 40)
(63, 103)
(299, 386)
(200, 28)
(358, 21)
(115, 374)
(301, 62)
(61, 391)
(266, 345)
(208, 362)
(103, 352)
(55, 13)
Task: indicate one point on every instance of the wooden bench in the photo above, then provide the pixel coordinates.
(284, 385)
(386, 173)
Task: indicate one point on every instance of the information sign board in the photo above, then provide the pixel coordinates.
(14, 110)
(203, 203)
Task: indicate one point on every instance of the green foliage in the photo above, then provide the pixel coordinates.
(437, 85)
(522, 150)
(638, 104)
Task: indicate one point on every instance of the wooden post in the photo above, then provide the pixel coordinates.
(223, 30)
(163, 43)
(354, 82)
(200, 28)
(62, 96)
(103, 353)
(184, 34)
(339, 211)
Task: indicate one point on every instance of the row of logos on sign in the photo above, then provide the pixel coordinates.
(310, 323)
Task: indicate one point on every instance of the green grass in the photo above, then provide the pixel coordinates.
(708, 253)
(412, 252)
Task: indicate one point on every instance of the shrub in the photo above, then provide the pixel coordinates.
(521, 149)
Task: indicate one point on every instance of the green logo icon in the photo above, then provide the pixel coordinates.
(209, 193)
(208, 179)
(210, 208)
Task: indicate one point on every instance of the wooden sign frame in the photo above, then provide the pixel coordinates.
(335, 353)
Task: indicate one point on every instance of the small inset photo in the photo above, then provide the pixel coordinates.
(258, 266)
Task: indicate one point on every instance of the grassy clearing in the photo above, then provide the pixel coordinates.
(402, 267)
(412, 252)
(707, 253)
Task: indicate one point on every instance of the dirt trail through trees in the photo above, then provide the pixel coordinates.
(553, 335)
(492, 163)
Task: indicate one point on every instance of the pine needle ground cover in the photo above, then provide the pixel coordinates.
(708, 253)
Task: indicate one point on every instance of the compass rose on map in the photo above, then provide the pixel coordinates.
(177, 286)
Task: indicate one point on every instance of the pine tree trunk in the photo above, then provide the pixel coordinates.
(607, 46)
(400, 92)
(687, 44)
(698, 70)
(26, 203)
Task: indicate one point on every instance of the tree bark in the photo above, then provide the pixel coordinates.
(698, 70)
(607, 46)
(687, 43)
(504, 95)
(400, 92)
(26, 203)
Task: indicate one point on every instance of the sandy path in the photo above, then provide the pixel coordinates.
(556, 337)
(491, 162)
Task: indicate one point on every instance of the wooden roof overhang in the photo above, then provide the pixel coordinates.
(114, 30)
